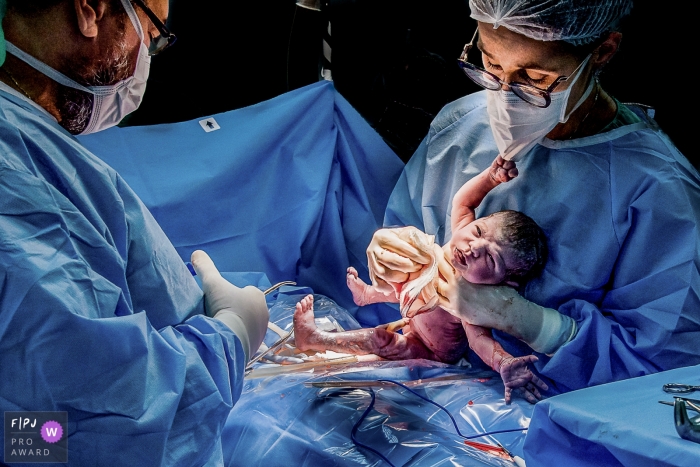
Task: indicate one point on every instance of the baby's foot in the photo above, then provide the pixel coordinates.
(365, 294)
(357, 287)
(306, 334)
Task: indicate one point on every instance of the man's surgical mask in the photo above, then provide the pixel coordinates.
(518, 126)
(110, 103)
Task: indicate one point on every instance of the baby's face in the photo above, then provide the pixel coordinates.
(478, 254)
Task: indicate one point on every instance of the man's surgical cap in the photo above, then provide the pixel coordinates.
(575, 21)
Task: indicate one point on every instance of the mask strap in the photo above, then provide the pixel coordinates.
(129, 8)
(63, 79)
(44, 68)
(564, 116)
(580, 101)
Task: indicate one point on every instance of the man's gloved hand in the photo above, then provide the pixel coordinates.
(501, 307)
(391, 257)
(244, 310)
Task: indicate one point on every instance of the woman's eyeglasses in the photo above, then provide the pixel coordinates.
(530, 94)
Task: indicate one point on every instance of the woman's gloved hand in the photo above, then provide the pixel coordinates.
(391, 257)
(244, 310)
(501, 307)
(491, 306)
(517, 376)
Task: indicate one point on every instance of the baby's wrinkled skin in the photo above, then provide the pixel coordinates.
(477, 254)
(383, 340)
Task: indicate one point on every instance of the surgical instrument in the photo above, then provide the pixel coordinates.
(679, 388)
(685, 426)
(269, 290)
(377, 383)
(277, 286)
(272, 348)
(693, 404)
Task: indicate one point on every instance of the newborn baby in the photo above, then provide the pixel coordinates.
(506, 247)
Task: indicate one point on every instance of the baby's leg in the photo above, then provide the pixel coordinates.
(377, 341)
(364, 294)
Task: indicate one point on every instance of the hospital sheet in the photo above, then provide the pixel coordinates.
(280, 422)
(613, 424)
(293, 187)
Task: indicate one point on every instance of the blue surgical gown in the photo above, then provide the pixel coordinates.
(99, 316)
(621, 212)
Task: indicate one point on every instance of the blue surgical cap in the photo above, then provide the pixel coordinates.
(575, 21)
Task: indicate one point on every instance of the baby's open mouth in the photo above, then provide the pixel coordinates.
(460, 257)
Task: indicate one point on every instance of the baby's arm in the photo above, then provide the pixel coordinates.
(472, 193)
(514, 371)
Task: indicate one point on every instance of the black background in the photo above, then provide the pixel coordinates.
(394, 60)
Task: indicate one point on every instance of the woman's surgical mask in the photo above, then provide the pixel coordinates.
(518, 126)
(110, 103)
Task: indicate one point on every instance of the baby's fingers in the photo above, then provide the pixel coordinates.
(500, 175)
(531, 397)
(539, 383)
(507, 165)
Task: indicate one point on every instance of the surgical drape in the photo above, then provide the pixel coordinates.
(293, 187)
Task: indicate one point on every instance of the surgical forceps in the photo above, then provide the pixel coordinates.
(272, 349)
(679, 388)
(277, 286)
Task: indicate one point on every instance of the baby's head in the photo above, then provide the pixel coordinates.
(506, 247)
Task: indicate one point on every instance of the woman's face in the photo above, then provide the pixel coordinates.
(514, 57)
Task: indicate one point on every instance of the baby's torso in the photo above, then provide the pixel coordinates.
(442, 333)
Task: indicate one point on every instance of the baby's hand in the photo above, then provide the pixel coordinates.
(516, 375)
(503, 171)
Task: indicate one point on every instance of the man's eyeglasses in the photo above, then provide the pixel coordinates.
(530, 94)
(166, 38)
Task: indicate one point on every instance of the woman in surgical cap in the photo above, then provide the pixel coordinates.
(620, 295)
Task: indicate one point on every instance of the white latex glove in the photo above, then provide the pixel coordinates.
(391, 258)
(244, 310)
(501, 307)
